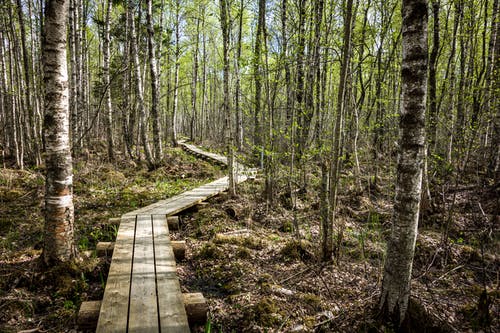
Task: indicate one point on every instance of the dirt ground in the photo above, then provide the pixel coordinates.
(244, 255)
(258, 277)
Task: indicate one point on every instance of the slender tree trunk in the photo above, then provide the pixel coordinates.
(73, 86)
(203, 84)
(138, 89)
(59, 243)
(155, 91)
(237, 97)
(224, 19)
(257, 73)
(106, 83)
(495, 102)
(4, 121)
(15, 112)
(401, 245)
(28, 90)
(299, 81)
(433, 61)
(335, 161)
(176, 74)
(194, 84)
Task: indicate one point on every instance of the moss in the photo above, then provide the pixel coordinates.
(312, 300)
(9, 195)
(309, 321)
(264, 279)
(286, 226)
(243, 253)
(241, 240)
(266, 312)
(209, 251)
(232, 287)
(295, 250)
(252, 243)
(114, 177)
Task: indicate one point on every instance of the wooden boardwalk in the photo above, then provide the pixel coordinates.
(142, 291)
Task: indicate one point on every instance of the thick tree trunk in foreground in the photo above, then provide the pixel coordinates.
(59, 229)
(401, 246)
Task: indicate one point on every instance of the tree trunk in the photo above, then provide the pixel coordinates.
(59, 243)
(155, 91)
(335, 161)
(433, 61)
(237, 97)
(176, 74)
(224, 19)
(495, 103)
(401, 245)
(138, 89)
(106, 83)
(257, 73)
(194, 84)
(28, 90)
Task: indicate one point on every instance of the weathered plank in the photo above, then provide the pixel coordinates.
(114, 309)
(143, 311)
(172, 314)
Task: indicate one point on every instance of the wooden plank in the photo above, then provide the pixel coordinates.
(143, 311)
(172, 313)
(114, 309)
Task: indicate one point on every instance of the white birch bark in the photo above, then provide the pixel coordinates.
(401, 245)
(59, 228)
(106, 79)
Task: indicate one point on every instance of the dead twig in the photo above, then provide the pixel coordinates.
(308, 268)
(447, 273)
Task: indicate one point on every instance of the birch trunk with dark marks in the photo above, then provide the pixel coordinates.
(59, 212)
(225, 25)
(138, 88)
(106, 79)
(401, 245)
(433, 62)
(155, 90)
(495, 92)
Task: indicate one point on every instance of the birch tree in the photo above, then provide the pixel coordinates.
(59, 212)
(155, 89)
(401, 245)
(225, 26)
(106, 79)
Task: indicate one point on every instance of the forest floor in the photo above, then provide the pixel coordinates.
(244, 256)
